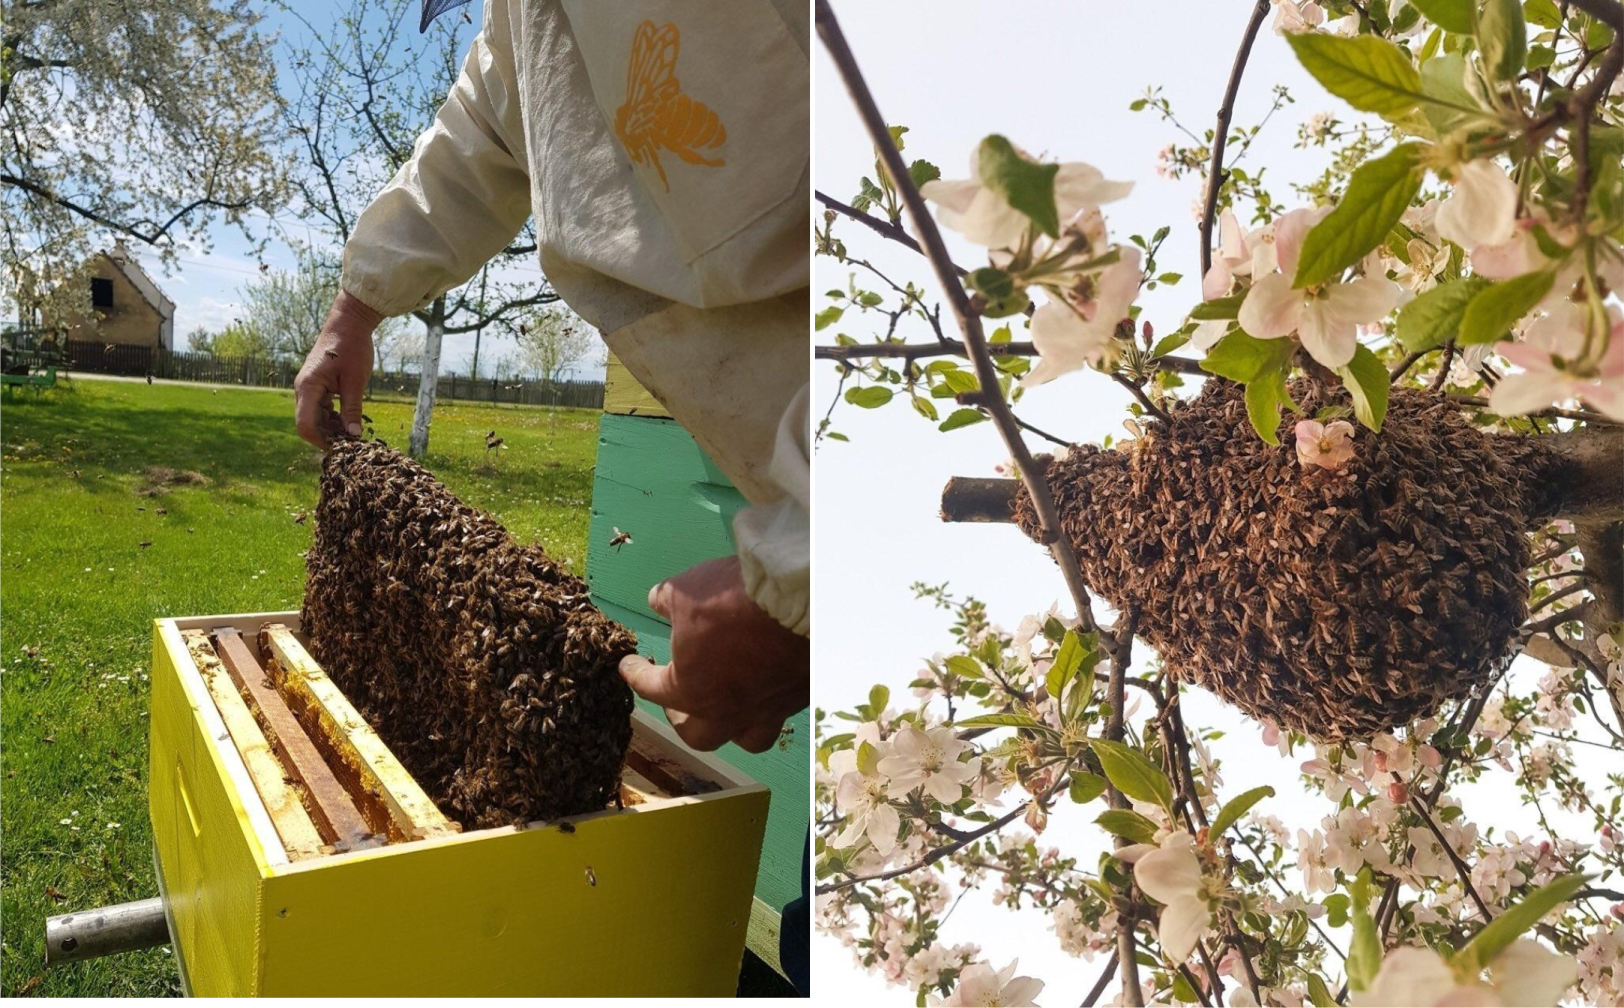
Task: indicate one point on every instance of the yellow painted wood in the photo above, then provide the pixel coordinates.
(411, 812)
(651, 900)
(293, 823)
(622, 394)
(214, 847)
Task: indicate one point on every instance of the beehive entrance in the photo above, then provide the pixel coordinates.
(1338, 603)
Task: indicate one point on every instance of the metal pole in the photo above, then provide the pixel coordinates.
(90, 934)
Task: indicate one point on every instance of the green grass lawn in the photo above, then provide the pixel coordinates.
(123, 502)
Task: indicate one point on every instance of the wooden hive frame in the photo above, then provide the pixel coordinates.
(260, 902)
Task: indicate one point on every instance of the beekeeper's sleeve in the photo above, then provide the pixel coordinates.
(775, 541)
(458, 200)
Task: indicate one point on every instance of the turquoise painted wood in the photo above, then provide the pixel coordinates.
(653, 483)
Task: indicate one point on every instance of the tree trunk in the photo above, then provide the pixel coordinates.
(426, 381)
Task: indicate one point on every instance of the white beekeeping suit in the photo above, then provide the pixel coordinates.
(662, 149)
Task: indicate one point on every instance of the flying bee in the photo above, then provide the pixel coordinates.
(656, 113)
(620, 539)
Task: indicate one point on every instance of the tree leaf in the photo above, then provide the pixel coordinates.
(1365, 953)
(1434, 317)
(1476, 954)
(965, 667)
(1236, 807)
(1450, 15)
(1502, 37)
(1319, 995)
(1497, 307)
(869, 396)
(1367, 382)
(1263, 395)
(1218, 308)
(828, 317)
(1085, 786)
(1369, 73)
(923, 171)
(1009, 720)
(1242, 357)
(1066, 659)
(1378, 194)
(1167, 344)
(1024, 185)
(1133, 774)
(961, 418)
(1128, 824)
(1543, 13)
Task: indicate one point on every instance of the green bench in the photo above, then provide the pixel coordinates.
(31, 379)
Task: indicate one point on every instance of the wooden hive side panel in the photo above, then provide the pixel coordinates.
(208, 839)
(651, 901)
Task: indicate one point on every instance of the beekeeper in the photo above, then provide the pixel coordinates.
(661, 148)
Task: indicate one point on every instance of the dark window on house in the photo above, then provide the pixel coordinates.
(101, 292)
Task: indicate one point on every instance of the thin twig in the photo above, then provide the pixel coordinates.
(954, 348)
(889, 229)
(975, 341)
(1144, 400)
(1216, 174)
(935, 854)
(1100, 984)
(1461, 867)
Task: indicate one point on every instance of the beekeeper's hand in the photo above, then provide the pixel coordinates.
(339, 365)
(735, 673)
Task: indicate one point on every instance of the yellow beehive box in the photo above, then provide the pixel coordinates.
(649, 900)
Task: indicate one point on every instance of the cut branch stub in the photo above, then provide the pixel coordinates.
(1338, 603)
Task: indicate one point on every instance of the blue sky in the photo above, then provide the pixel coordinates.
(206, 286)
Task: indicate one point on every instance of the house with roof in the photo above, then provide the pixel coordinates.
(129, 307)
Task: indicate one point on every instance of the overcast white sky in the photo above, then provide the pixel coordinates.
(1055, 78)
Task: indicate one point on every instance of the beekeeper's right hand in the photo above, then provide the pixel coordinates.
(339, 365)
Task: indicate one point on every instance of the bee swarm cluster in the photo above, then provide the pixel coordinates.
(1336, 603)
(481, 663)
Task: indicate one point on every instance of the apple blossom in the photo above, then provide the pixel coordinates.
(1328, 446)
(928, 759)
(1292, 16)
(861, 795)
(980, 985)
(985, 217)
(1524, 973)
(1071, 333)
(1241, 253)
(1481, 208)
(1326, 317)
(1549, 356)
(1171, 875)
(1421, 272)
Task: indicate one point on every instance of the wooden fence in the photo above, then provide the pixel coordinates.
(205, 367)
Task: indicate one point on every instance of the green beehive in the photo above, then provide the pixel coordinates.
(655, 484)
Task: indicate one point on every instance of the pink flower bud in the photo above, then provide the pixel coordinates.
(1397, 793)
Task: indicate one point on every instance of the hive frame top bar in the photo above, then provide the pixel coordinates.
(275, 858)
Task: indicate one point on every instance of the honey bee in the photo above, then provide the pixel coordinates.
(656, 113)
(620, 539)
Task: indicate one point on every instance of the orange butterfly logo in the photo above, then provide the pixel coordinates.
(656, 113)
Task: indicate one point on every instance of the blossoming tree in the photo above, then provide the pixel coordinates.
(1455, 275)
